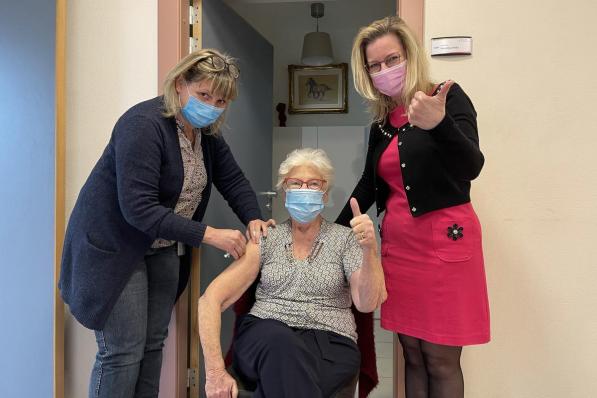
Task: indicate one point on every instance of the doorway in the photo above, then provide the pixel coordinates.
(344, 136)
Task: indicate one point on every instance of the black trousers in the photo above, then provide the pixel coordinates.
(285, 362)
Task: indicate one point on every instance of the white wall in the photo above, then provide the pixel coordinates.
(532, 80)
(285, 24)
(111, 65)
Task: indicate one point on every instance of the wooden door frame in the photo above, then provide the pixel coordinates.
(173, 45)
(173, 27)
(195, 278)
(413, 13)
(187, 327)
(59, 194)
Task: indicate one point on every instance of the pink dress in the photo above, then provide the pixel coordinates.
(433, 265)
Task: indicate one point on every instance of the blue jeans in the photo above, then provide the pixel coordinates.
(129, 357)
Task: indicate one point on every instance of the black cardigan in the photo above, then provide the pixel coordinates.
(437, 165)
(127, 202)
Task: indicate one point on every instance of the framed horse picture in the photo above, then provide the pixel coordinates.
(318, 89)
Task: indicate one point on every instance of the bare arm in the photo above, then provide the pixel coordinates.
(220, 294)
(367, 285)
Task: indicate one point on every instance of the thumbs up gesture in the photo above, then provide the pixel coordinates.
(362, 227)
(425, 111)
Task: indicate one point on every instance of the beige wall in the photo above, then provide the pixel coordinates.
(532, 80)
(111, 65)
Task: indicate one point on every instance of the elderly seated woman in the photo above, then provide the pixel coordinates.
(299, 339)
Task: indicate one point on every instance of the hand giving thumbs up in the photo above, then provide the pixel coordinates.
(425, 111)
(362, 227)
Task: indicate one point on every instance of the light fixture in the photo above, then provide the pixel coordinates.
(317, 46)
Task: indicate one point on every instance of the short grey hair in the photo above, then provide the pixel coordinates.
(307, 157)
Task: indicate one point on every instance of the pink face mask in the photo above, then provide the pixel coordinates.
(390, 81)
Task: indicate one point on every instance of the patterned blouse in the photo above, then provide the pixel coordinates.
(313, 293)
(195, 179)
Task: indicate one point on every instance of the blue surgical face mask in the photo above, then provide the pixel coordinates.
(304, 204)
(200, 114)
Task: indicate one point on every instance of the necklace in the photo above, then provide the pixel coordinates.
(390, 134)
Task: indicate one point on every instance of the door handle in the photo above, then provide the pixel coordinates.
(270, 195)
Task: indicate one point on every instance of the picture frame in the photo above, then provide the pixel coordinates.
(318, 89)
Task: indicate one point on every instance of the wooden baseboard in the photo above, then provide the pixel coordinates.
(194, 345)
(59, 195)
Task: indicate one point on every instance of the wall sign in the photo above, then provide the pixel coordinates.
(453, 45)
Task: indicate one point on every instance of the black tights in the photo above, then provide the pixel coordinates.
(432, 370)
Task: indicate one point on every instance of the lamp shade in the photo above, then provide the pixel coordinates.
(317, 49)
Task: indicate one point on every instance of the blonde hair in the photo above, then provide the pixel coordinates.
(307, 157)
(192, 69)
(417, 77)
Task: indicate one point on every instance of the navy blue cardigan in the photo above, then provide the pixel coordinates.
(127, 202)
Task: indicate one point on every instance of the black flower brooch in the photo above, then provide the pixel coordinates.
(455, 232)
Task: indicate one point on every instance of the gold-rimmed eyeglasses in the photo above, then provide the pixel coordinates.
(314, 184)
(219, 64)
(390, 61)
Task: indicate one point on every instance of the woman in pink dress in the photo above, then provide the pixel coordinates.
(423, 152)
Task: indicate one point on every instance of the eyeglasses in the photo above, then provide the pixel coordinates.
(219, 64)
(389, 62)
(296, 183)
